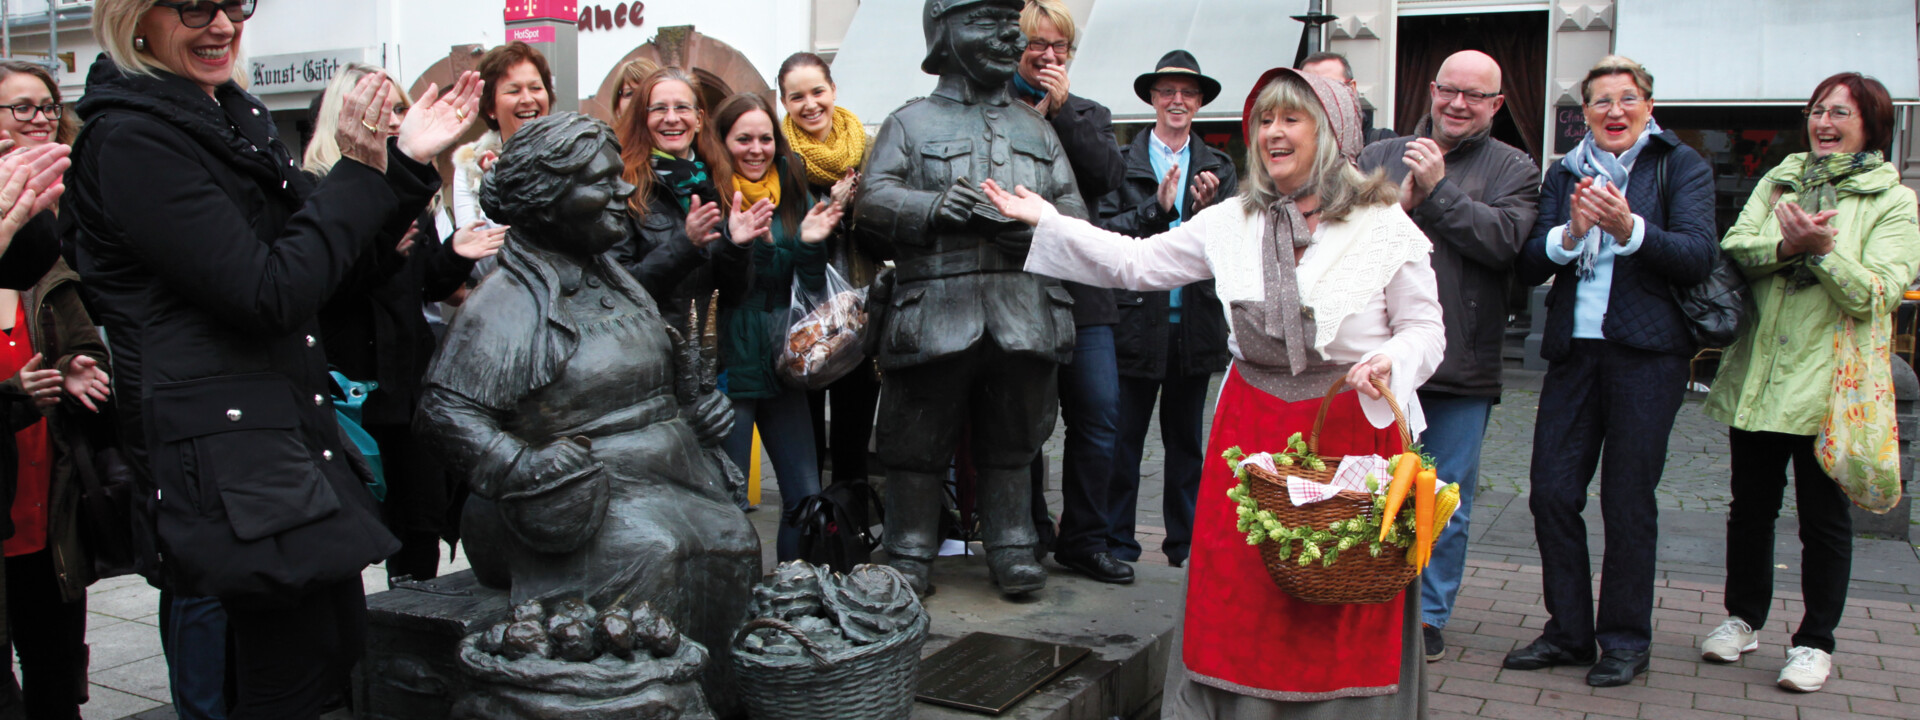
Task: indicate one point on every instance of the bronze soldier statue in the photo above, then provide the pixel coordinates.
(968, 339)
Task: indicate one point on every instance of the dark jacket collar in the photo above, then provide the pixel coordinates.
(1471, 143)
(1201, 156)
(232, 125)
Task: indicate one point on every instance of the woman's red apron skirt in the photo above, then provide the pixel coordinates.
(1242, 633)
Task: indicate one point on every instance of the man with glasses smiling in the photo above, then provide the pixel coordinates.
(1089, 383)
(1475, 198)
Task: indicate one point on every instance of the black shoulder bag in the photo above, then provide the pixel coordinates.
(1717, 308)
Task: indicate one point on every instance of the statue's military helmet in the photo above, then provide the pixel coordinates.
(936, 28)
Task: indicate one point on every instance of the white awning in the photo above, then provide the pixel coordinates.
(1234, 40)
(1761, 51)
(878, 66)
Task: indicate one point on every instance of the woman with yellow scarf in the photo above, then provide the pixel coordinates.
(753, 317)
(831, 145)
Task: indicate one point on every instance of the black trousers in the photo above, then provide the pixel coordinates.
(290, 660)
(853, 399)
(50, 636)
(421, 507)
(1612, 400)
(1760, 462)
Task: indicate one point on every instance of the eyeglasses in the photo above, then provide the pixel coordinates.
(1837, 114)
(1446, 94)
(1062, 48)
(199, 14)
(1626, 103)
(1169, 93)
(665, 110)
(24, 112)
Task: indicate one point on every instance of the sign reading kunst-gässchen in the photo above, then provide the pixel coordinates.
(300, 72)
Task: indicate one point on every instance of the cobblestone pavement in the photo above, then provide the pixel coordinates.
(1876, 668)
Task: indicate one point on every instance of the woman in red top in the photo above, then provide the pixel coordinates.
(47, 570)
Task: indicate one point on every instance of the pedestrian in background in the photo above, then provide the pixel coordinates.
(374, 330)
(1167, 343)
(1089, 384)
(207, 257)
(1475, 198)
(831, 146)
(1827, 239)
(753, 317)
(53, 347)
(632, 73)
(1625, 219)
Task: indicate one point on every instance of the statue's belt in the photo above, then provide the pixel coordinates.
(982, 258)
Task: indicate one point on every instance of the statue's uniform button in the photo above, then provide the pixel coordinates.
(606, 302)
(233, 415)
(593, 282)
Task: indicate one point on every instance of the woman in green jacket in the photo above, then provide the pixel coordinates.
(754, 315)
(1829, 235)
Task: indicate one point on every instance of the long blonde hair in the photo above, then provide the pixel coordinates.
(1340, 186)
(324, 150)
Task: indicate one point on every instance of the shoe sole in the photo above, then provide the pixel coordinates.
(1544, 665)
(1436, 657)
(1788, 684)
(1713, 657)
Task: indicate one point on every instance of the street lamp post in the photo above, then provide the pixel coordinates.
(1316, 17)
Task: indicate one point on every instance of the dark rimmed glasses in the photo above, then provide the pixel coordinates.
(24, 112)
(199, 13)
(1446, 94)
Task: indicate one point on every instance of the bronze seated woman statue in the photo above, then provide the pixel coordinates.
(561, 396)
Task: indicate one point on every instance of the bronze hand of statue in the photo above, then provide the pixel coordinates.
(556, 459)
(956, 206)
(713, 419)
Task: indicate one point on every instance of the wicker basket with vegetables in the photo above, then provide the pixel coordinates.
(1352, 547)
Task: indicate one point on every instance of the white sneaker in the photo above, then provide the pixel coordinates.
(1806, 669)
(1727, 642)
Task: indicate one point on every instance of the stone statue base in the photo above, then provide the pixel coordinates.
(412, 669)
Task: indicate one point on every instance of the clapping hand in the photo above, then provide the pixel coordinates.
(437, 121)
(86, 382)
(43, 385)
(477, 241)
(1053, 79)
(1801, 232)
(1021, 204)
(1426, 166)
(844, 189)
(1169, 188)
(1205, 186)
(820, 221)
(1606, 207)
(362, 130)
(30, 183)
(703, 221)
(747, 223)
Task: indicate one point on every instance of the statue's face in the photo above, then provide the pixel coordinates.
(591, 216)
(986, 43)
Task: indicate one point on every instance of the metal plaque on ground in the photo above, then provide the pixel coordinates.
(989, 673)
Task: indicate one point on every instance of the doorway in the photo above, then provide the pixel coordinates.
(1515, 40)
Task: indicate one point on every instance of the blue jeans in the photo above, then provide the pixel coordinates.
(786, 431)
(1090, 403)
(1456, 424)
(194, 638)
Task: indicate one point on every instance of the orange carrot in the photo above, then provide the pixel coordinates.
(1397, 491)
(1423, 502)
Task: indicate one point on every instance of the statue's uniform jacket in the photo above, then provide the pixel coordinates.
(956, 286)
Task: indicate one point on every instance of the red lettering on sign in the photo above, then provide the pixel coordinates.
(595, 17)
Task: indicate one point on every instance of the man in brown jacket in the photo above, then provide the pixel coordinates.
(1474, 197)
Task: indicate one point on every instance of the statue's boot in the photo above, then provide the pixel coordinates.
(1006, 526)
(913, 525)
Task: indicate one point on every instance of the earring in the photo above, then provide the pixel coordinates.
(139, 44)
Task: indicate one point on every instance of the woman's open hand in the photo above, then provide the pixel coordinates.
(1609, 209)
(820, 221)
(1361, 377)
(1021, 204)
(437, 121)
(746, 223)
(477, 241)
(1801, 232)
(30, 183)
(86, 382)
(845, 188)
(43, 385)
(362, 129)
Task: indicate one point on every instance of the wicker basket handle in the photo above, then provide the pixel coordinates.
(814, 651)
(1399, 416)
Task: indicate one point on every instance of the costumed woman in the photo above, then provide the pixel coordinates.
(1325, 279)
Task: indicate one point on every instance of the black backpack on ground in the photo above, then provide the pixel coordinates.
(836, 529)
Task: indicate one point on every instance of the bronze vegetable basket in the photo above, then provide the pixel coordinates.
(873, 682)
(1357, 577)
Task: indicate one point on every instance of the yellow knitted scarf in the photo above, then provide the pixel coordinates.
(827, 162)
(767, 188)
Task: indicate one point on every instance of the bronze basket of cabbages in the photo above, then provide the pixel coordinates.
(823, 645)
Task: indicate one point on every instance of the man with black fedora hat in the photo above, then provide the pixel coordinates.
(1089, 385)
(1168, 344)
(963, 334)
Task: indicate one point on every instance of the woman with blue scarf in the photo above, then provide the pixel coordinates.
(1625, 219)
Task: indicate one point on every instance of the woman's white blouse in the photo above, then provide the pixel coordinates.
(1401, 319)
